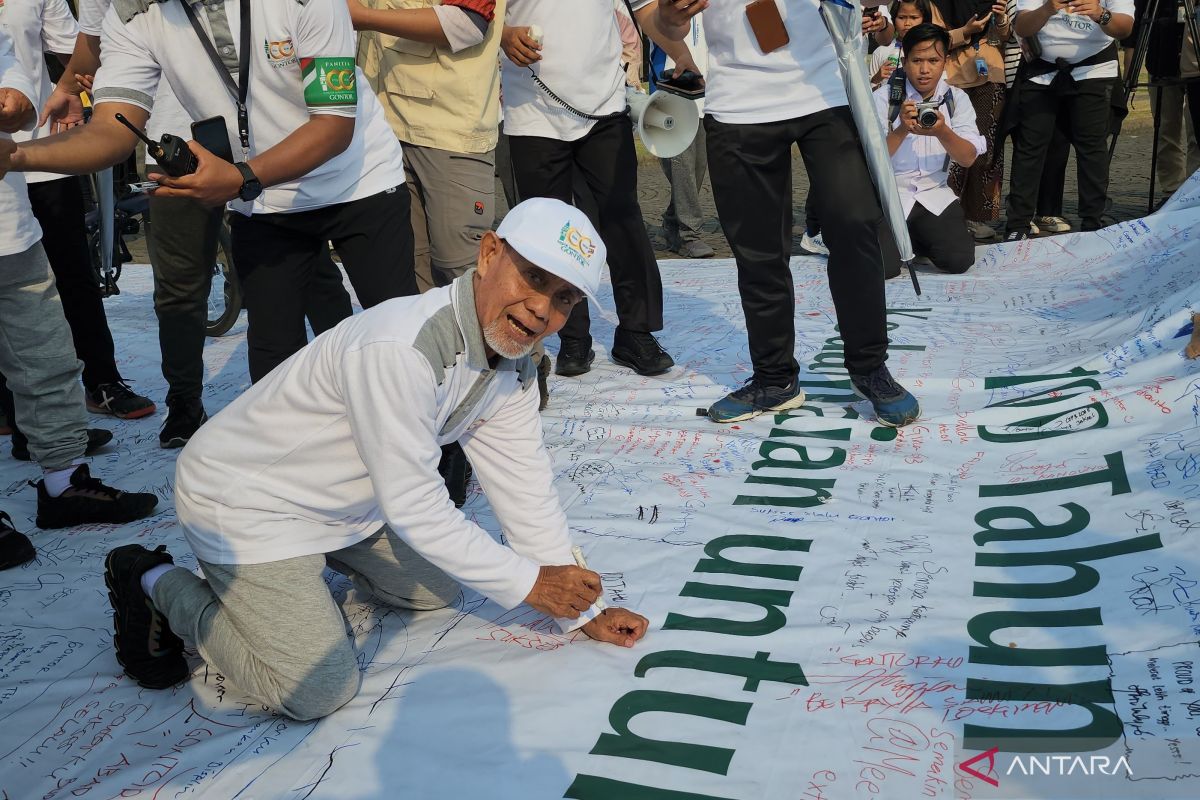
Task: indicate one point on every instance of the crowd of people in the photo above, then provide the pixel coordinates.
(378, 131)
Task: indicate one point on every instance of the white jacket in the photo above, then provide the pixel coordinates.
(345, 436)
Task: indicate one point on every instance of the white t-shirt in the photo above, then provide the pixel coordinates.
(19, 231)
(747, 86)
(581, 63)
(37, 27)
(303, 66)
(920, 161)
(1075, 37)
(168, 116)
(346, 435)
(881, 55)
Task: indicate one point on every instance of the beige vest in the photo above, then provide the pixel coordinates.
(432, 97)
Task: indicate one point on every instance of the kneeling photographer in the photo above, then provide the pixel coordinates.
(930, 124)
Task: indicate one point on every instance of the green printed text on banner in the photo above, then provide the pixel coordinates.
(329, 81)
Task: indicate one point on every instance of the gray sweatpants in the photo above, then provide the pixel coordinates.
(38, 357)
(274, 629)
(685, 172)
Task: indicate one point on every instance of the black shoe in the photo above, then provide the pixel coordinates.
(88, 500)
(184, 418)
(146, 648)
(1016, 236)
(575, 357)
(97, 438)
(640, 352)
(118, 399)
(15, 547)
(543, 375)
(456, 471)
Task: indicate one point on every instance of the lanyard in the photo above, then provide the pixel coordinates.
(241, 88)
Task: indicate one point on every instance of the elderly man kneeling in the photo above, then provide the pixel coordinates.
(332, 460)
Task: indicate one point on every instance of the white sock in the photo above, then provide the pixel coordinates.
(151, 576)
(59, 480)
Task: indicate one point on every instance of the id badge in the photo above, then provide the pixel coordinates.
(981, 66)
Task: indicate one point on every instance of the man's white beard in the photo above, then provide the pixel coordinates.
(494, 333)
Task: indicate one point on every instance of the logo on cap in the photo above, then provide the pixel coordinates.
(574, 243)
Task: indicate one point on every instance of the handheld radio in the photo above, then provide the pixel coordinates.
(171, 153)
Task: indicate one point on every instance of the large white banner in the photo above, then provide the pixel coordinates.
(1002, 600)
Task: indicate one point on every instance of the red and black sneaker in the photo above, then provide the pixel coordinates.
(147, 649)
(88, 500)
(118, 399)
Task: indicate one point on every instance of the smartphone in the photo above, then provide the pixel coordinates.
(767, 25)
(143, 186)
(213, 136)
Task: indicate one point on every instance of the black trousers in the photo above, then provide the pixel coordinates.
(606, 160)
(751, 169)
(58, 206)
(943, 238)
(183, 251)
(277, 255)
(1086, 106)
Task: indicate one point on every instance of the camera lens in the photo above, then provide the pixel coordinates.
(927, 118)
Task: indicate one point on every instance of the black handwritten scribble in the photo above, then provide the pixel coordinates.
(312, 787)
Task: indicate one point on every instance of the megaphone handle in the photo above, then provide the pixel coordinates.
(912, 273)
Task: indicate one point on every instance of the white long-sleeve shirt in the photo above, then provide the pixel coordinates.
(345, 436)
(19, 231)
(920, 161)
(37, 28)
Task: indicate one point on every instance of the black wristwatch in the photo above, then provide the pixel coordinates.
(251, 186)
(1105, 17)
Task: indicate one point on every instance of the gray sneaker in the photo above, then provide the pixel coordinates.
(1052, 224)
(982, 231)
(695, 249)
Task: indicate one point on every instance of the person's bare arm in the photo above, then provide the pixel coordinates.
(668, 20)
(418, 24)
(1029, 23)
(216, 181)
(63, 107)
(85, 149)
(1119, 27)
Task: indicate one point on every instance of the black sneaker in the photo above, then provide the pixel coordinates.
(97, 438)
(641, 352)
(894, 405)
(146, 648)
(754, 398)
(184, 418)
(118, 399)
(456, 471)
(1016, 236)
(87, 500)
(543, 376)
(15, 547)
(575, 357)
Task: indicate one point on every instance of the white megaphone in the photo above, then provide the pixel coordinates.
(666, 122)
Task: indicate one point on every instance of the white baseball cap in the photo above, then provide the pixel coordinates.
(559, 239)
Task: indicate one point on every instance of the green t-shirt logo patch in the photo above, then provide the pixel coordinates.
(329, 81)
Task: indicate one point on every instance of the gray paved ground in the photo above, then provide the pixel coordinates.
(1128, 188)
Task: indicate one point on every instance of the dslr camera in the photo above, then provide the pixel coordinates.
(927, 113)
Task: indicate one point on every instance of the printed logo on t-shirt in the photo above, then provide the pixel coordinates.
(281, 53)
(1076, 21)
(329, 81)
(574, 243)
